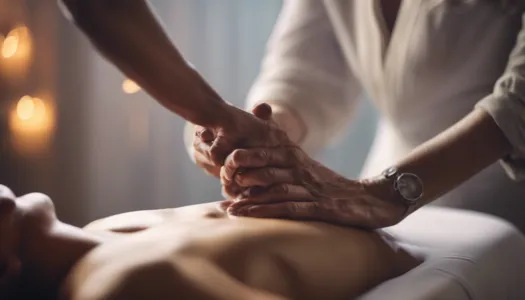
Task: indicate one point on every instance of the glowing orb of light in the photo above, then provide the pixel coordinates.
(25, 108)
(10, 46)
(32, 124)
(130, 87)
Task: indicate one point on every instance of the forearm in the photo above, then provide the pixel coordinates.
(457, 154)
(127, 33)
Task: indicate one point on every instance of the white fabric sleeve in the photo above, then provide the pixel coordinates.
(304, 70)
(189, 133)
(506, 105)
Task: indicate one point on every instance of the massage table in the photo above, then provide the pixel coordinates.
(467, 255)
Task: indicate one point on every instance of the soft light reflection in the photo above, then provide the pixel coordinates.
(31, 123)
(16, 52)
(17, 42)
(25, 108)
(130, 87)
(10, 46)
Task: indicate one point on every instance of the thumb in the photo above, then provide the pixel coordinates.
(220, 149)
(263, 111)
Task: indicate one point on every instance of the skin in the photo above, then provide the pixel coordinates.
(127, 34)
(298, 187)
(194, 252)
(36, 250)
(312, 192)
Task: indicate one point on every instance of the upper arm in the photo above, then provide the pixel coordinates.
(304, 69)
(506, 105)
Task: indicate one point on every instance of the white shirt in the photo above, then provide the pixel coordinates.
(442, 59)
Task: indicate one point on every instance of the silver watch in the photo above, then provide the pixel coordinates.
(407, 185)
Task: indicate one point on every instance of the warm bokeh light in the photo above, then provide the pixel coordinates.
(10, 46)
(25, 108)
(130, 87)
(31, 123)
(17, 42)
(16, 52)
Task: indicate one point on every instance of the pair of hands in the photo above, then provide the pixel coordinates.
(265, 175)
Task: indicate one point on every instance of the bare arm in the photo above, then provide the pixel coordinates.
(456, 154)
(127, 33)
(493, 131)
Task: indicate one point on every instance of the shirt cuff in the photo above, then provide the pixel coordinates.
(189, 132)
(508, 115)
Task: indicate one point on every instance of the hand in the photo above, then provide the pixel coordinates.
(205, 137)
(285, 183)
(212, 145)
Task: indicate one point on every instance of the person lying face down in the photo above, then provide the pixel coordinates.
(194, 252)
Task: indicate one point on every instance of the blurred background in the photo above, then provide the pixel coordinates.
(73, 127)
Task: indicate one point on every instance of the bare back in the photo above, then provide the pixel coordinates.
(289, 259)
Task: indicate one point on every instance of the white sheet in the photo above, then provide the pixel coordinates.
(468, 255)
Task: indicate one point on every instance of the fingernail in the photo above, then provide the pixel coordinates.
(246, 193)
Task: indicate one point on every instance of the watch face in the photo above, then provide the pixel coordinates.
(410, 187)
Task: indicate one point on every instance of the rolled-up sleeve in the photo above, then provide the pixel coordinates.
(304, 70)
(506, 105)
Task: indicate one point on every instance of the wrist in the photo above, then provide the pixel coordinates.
(382, 188)
(228, 118)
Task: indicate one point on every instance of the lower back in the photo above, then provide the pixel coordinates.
(299, 260)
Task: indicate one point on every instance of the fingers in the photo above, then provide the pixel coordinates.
(206, 149)
(259, 157)
(200, 145)
(219, 150)
(204, 163)
(231, 191)
(276, 193)
(223, 205)
(264, 177)
(308, 210)
(206, 135)
(263, 111)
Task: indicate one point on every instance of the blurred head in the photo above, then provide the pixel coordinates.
(21, 219)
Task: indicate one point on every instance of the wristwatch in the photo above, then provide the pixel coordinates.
(407, 186)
